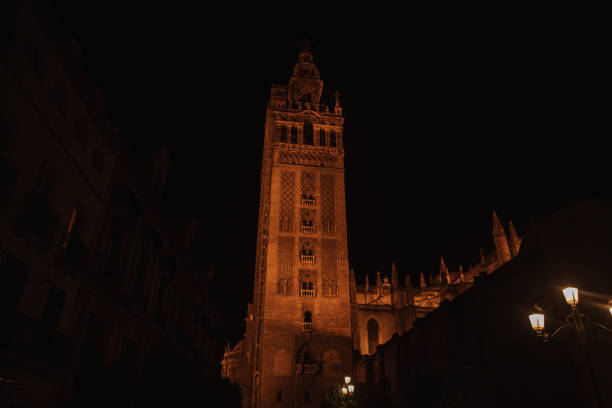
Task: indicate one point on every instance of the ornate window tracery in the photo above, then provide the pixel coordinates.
(287, 201)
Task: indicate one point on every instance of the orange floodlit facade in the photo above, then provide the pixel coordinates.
(309, 316)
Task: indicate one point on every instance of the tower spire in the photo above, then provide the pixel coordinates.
(500, 239)
(443, 272)
(423, 280)
(408, 281)
(394, 277)
(515, 241)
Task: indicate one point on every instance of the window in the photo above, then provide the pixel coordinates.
(294, 135)
(50, 319)
(44, 181)
(322, 136)
(332, 138)
(307, 316)
(372, 327)
(13, 275)
(279, 395)
(308, 134)
(80, 133)
(283, 134)
(60, 98)
(97, 159)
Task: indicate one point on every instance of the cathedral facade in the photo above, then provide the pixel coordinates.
(309, 319)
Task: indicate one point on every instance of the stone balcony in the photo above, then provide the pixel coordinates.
(309, 202)
(307, 292)
(307, 259)
(308, 229)
(307, 327)
(313, 368)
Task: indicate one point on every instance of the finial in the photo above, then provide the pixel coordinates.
(337, 96)
(304, 44)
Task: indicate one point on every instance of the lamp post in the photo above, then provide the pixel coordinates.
(576, 322)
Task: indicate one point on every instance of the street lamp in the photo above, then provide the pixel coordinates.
(347, 388)
(576, 322)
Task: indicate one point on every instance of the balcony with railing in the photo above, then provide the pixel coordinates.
(309, 202)
(72, 256)
(307, 259)
(308, 229)
(37, 222)
(312, 368)
(307, 292)
(307, 327)
(425, 309)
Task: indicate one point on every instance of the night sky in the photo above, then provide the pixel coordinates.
(443, 124)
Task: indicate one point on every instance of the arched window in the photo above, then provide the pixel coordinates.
(294, 135)
(322, 136)
(97, 159)
(372, 335)
(332, 138)
(283, 134)
(80, 133)
(307, 359)
(308, 137)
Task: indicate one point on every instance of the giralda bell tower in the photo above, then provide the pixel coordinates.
(300, 322)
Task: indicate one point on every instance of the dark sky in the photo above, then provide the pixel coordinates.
(443, 124)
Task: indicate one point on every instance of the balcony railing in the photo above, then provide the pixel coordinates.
(73, 257)
(307, 327)
(307, 259)
(309, 202)
(308, 228)
(425, 309)
(307, 368)
(37, 222)
(307, 292)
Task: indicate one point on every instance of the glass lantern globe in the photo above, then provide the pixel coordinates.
(347, 379)
(344, 390)
(351, 388)
(571, 296)
(537, 321)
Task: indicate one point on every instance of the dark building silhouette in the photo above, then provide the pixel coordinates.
(479, 349)
(104, 301)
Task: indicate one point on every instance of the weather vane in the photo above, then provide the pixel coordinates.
(305, 44)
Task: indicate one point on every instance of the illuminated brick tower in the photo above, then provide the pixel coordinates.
(299, 327)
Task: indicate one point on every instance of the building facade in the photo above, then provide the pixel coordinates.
(299, 338)
(95, 284)
(309, 318)
(480, 350)
(386, 307)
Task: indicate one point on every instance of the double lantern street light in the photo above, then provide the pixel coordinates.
(348, 388)
(577, 322)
